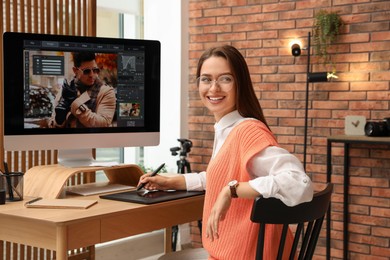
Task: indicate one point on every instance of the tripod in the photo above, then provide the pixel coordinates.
(183, 166)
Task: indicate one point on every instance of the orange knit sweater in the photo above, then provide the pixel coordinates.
(237, 234)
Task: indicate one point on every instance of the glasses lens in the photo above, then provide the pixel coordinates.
(88, 71)
(225, 82)
(203, 81)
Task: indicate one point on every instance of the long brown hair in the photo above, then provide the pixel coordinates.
(246, 101)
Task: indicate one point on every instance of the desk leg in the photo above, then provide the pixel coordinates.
(328, 179)
(168, 239)
(346, 192)
(62, 243)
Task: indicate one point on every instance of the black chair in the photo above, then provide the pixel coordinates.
(308, 217)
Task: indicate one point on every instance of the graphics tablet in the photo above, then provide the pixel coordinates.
(151, 197)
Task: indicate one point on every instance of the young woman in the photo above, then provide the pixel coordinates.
(246, 162)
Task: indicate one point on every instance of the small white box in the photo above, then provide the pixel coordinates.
(354, 125)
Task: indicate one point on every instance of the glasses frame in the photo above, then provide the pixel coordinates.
(87, 71)
(223, 86)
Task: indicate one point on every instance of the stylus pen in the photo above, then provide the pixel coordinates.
(153, 174)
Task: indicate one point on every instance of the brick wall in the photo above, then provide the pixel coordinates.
(262, 30)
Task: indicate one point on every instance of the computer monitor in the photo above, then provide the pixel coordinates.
(51, 100)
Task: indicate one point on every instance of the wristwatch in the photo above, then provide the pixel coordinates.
(82, 108)
(233, 188)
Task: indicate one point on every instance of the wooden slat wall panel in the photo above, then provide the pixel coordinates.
(69, 17)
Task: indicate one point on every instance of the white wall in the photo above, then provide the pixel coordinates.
(121, 6)
(167, 21)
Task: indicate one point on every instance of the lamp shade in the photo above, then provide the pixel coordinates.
(317, 77)
(296, 49)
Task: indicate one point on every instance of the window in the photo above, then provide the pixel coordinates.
(119, 19)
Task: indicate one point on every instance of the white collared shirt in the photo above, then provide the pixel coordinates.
(274, 172)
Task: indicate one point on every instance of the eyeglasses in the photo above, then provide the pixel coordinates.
(87, 71)
(225, 82)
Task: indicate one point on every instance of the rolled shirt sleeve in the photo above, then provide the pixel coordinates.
(195, 181)
(277, 173)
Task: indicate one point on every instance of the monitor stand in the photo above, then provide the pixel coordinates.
(76, 158)
(50, 181)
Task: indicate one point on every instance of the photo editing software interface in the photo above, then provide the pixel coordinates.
(47, 64)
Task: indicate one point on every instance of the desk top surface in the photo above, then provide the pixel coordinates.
(359, 139)
(103, 208)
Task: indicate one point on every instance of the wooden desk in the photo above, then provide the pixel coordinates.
(65, 229)
(346, 140)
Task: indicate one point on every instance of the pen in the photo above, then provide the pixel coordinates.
(153, 174)
(8, 179)
(33, 200)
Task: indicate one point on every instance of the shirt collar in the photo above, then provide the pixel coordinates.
(228, 120)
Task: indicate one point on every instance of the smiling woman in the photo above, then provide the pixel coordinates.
(246, 161)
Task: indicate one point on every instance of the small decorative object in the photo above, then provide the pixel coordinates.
(354, 125)
(325, 32)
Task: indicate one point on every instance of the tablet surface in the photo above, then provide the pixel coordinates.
(151, 197)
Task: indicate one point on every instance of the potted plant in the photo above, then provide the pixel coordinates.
(147, 169)
(326, 28)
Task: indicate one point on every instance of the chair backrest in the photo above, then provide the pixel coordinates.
(308, 215)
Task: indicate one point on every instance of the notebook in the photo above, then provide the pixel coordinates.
(151, 197)
(60, 203)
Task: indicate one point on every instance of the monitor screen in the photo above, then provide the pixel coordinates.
(72, 92)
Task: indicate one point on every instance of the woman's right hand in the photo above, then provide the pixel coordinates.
(160, 182)
(157, 182)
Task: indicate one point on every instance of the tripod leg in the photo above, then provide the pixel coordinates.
(188, 166)
(200, 223)
(175, 231)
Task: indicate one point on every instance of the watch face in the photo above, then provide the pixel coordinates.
(233, 182)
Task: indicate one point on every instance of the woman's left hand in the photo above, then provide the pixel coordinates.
(218, 213)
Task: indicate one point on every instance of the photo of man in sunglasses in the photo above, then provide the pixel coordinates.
(85, 101)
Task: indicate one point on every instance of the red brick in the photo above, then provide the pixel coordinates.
(245, 10)
(380, 36)
(369, 27)
(381, 192)
(384, 252)
(373, 46)
(381, 212)
(217, 29)
(278, 7)
(372, 86)
(217, 12)
(381, 231)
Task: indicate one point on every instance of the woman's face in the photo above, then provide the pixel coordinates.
(217, 87)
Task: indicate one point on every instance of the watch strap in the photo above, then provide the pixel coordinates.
(233, 189)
